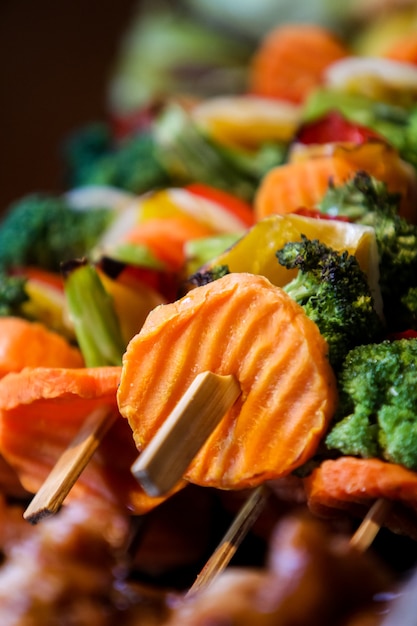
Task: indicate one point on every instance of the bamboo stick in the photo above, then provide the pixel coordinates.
(50, 497)
(231, 541)
(164, 461)
(370, 525)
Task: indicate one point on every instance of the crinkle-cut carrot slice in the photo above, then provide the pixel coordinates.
(291, 59)
(242, 325)
(30, 344)
(303, 182)
(41, 411)
(352, 484)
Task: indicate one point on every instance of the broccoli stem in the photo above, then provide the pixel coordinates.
(92, 312)
(298, 290)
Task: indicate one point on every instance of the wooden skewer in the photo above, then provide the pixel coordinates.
(370, 525)
(50, 497)
(164, 461)
(234, 536)
(226, 549)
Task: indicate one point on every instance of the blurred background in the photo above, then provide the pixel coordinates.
(55, 63)
(65, 64)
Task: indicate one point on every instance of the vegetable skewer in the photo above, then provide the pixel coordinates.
(268, 343)
(98, 334)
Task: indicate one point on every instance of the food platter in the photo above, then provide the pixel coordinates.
(208, 353)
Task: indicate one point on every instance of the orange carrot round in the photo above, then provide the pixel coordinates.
(352, 484)
(303, 182)
(243, 325)
(42, 410)
(291, 60)
(30, 344)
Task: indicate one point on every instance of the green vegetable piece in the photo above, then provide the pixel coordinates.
(91, 309)
(200, 251)
(12, 294)
(43, 231)
(396, 123)
(334, 292)
(377, 413)
(409, 310)
(367, 201)
(189, 155)
(93, 157)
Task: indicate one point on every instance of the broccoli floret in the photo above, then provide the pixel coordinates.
(334, 292)
(367, 201)
(377, 413)
(43, 230)
(94, 158)
(82, 149)
(204, 277)
(132, 166)
(12, 294)
(409, 309)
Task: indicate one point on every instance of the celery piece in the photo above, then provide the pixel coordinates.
(92, 312)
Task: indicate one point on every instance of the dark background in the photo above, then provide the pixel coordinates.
(56, 57)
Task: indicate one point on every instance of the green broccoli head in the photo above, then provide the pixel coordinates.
(12, 294)
(82, 149)
(43, 231)
(334, 292)
(93, 157)
(367, 201)
(377, 413)
(359, 196)
(205, 276)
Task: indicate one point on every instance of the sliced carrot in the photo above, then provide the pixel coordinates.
(291, 60)
(30, 344)
(303, 182)
(243, 325)
(403, 49)
(352, 484)
(41, 411)
(287, 188)
(166, 237)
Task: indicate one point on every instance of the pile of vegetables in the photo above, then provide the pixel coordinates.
(295, 203)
